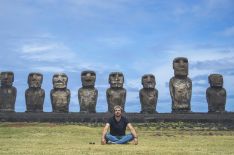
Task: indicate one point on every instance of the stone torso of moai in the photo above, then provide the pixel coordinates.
(60, 95)
(7, 92)
(180, 86)
(216, 94)
(148, 94)
(87, 95)
(116, 94)
(34, 95)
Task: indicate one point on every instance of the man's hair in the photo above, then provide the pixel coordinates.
(118, 107)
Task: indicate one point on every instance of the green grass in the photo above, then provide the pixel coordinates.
(74, 139)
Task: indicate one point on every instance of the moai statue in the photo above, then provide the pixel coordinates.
(148, 94)
(87, 95)
(60, 95)
(7, 92)
(180, 86)
(34, 95)
(116, 94)
(216, 94)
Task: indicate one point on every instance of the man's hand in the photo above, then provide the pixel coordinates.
(103, 142)
(135, 141)
(133, 132)
(104, 131)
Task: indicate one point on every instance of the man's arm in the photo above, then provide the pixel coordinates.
(133, 131)
(104, 131)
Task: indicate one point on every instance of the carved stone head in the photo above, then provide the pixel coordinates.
(180, 66)
(60, 80)
(35, 80)
(7, 78)
(88, 78)
(148, 81)
(116, 80)
(215, 80)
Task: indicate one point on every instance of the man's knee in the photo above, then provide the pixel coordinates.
(131, 136)
(108, 136)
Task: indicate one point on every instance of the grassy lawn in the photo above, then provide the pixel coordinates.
(74, 139)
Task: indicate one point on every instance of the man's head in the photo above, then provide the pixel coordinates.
(118, 110)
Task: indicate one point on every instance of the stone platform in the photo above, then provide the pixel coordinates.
(102, 117)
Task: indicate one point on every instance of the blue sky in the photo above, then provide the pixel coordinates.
(135, 37)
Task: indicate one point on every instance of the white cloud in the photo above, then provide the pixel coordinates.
(74, 96)
(133, 83)
(202, 9)
(101, 86)
(194, 53)
(37, 48)
(163, 73)
(197, 72)
(117, 41)
(48, 55)
(132, 96)
(49, 69)
(218, 4)
(229, 84)
(229, 32)
(47, 51)
(102, 4)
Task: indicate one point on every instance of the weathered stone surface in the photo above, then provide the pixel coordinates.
(7, 92)
(180, 86)
(34, 95)
(216, 94)
(60, 95)
(88, 94)
(227, 117)
(116, 94)
(148, 94)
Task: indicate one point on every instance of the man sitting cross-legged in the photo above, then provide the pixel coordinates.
(117, 125)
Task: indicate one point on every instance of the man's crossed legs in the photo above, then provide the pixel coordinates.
(118, 139)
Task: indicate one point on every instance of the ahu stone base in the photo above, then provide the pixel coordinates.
(227, 117)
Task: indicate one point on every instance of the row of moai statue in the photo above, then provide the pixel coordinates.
(180, 90)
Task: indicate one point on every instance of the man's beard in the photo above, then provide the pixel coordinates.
(118, 115)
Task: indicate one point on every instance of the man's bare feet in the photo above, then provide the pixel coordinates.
(134, 141)
(103, 142)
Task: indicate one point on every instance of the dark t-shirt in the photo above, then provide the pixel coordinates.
(118, 128)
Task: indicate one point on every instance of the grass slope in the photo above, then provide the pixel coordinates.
(74, 139)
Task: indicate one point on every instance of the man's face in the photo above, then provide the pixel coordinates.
(88, 78)
(180, 66)
(60, 80)
(35, 80)
(118, 112)
(148, 81)
(116, 80)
